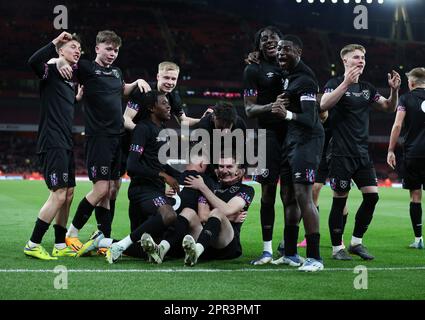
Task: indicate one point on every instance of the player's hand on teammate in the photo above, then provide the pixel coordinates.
(394, 80)
(280, 105)
(193, 182)
(208, 111)
(65, 70)
(143, 85)
(63, 37)
(173, 183)
(241, 216)
(323, 116)
(170, 192)
(352, 75)
(253, 57)
(80, 92)
(391, 159)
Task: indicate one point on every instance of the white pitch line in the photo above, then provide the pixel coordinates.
(198, 270)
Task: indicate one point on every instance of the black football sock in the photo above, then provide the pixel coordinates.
(210, 232)
(416, 218)
(336, 220)
(60, 233)
(365, 214)
(291, 237)
(83, 214)
(103, 218)
(313, 249)
(154, 226)
(39, 231)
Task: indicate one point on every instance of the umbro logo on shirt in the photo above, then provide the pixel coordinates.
(270, 74)
(113, 72)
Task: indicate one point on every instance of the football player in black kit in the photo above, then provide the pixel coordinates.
(224, 212)
(410, 119)
(148, 203)
(184, 203)
(262, 85)
(104, 88)
(302, 154)
(149, 209)
(54, 143)
(167, 77)
(350, 100)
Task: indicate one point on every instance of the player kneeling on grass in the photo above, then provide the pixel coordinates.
(54, 143)
(219, 237)
(149, 209)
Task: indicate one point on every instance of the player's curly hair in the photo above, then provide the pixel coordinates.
(257, 36)
(225, 111)
(146, 102)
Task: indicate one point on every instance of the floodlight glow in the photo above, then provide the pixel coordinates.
(334, 1)
(310, 1)
(299, 1)
(358, 1)
(369, 1)
(346, 1)
(380, 1)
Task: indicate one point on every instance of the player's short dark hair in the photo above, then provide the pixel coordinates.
(294, 39)
(225, 111)
(257, 36)
(108, 36)
(146, 102)
(74, 37)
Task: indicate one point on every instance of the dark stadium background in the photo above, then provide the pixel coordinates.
(209, 40)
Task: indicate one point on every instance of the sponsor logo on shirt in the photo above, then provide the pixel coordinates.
(113, 72)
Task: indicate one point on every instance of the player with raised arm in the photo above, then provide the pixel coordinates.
(351, 100)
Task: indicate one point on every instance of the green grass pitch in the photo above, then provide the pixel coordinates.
(396, 273)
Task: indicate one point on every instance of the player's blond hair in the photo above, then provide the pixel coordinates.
(350, 48)
(168, 66)
(417, 75)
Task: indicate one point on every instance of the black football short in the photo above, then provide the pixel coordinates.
(271, 172)
(414, 174)
(58, 168)
(301, 161)
(232, 251)
(343, 169)
(103, 157)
